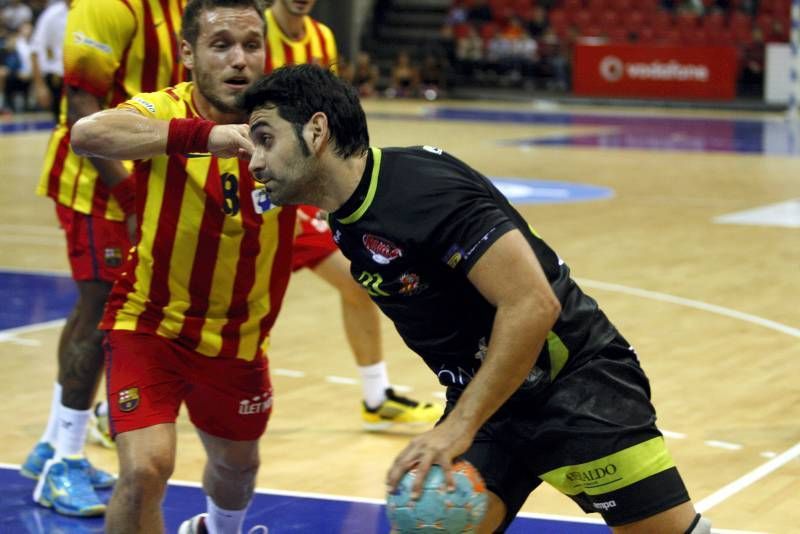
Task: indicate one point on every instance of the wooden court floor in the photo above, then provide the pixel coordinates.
(712, 309)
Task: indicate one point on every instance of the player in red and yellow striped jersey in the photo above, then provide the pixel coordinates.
(188, 317)
(113, 49)
(293, 37)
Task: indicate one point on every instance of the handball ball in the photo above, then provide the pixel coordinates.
(437, 510)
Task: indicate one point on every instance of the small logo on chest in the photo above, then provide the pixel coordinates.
(383, 251)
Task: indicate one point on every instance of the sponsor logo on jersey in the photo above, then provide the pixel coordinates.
(112, 256)
(128, 399)
(383, 251)
(592, 477)
(147, 105)
(258, 404)
(337, 236)
(82, 39)
(411, 284)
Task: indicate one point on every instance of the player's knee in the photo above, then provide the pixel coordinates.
(242, 468)
(700, 525)
(147, 477)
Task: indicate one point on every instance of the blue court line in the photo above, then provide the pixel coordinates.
(282, 512)
(24, 126)
(31, 298)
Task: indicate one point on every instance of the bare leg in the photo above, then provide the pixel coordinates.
(146, 461)
(229, 477)
(80, 354)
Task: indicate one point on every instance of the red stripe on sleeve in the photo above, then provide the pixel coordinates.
(205, 258)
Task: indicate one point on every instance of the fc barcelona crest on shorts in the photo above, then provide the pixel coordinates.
(112, 257)
(128, 399)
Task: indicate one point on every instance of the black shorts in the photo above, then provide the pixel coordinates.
(591, 434)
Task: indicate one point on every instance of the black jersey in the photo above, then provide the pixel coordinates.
(416, 224)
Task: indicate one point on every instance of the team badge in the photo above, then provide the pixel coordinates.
(112, 256)
(128, 399)
(383, 251)
(454, 255)
(411, 284)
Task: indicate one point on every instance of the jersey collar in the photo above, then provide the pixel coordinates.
(361, 199)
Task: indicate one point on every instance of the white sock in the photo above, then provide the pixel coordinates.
(102, 409)
(51, 431)
(221, 521)
(72, 426)
(374, 381)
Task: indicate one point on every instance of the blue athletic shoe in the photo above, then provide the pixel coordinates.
(43, 451)
(65, 486)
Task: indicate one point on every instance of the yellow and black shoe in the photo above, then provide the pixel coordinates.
(398, 410)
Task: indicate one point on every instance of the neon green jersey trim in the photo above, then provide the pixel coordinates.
(558, 354)
(373, 186)
(612, 472)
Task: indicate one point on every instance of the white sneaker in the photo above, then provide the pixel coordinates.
(194, 525)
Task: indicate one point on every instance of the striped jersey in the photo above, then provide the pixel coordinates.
(317, 45)
(113, 49)
(213, 261)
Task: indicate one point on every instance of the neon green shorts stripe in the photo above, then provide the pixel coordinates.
(612, 472)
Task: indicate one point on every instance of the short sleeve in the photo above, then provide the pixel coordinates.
(95, 42)
(159, 105)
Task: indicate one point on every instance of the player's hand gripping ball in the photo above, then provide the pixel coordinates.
(437, 510)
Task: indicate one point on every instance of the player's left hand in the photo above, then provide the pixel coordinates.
(437, 446)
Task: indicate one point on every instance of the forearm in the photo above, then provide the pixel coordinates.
(518, 335)
(117, 134)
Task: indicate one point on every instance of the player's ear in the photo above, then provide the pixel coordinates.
(317, 129)
(187, 54)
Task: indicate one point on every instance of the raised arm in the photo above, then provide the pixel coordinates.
(125, 134)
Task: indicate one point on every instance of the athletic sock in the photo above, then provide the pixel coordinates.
(72, 425)
(375, 382)
(221, 521)
(51, 430)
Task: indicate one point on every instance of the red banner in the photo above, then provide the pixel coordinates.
(691, 72)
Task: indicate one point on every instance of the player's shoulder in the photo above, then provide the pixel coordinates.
(423, 160)
(170, 101)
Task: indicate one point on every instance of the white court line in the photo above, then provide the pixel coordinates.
(723, 445)
(11, 333)
(673, 435)
(719, 310)
(344, 498)
(750, 478)
(288, 372)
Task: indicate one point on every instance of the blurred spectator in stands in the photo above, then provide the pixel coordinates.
(345, 69)
(751, 80)
(538, 22)
(47, 66)
(15, 14)
(480, 12)
(554, 59)
(18, 68)
(457, 14)
(431, 77)
(695, 7)
(365, 75)
(404, 77)
(513, 52)
(469, 52)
